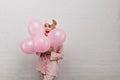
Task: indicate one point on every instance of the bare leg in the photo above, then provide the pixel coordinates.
(49, 77)
(41, 76)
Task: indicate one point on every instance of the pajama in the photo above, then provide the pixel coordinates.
(48, 64)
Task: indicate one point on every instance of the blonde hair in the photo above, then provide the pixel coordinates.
(51, 22)
(54, 23)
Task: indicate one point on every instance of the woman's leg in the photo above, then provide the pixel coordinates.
(41, 76)
(49, 77)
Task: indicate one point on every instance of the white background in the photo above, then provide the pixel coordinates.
(92, 47)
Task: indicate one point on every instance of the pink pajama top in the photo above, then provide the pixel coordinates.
(48, 64)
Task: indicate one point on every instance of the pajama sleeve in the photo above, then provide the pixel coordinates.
(58, 54)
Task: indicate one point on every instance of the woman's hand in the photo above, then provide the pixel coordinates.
(51, 49)
(37, 53)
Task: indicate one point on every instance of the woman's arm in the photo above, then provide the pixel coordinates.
(57, 55)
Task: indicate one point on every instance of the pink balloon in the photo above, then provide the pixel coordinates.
(41, 43)
(27, 46)
(57, 37)
(36, 27)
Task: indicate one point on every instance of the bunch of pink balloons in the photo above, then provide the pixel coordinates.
(38, 42)
(56, 37)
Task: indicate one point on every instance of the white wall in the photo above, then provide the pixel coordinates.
(92, 47)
